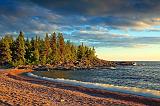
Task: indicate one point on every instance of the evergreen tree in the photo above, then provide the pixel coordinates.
(58, 57)
(61, 46)
(14, 53)
(9, 38)
(93, 53)
(80, 52)
(55, 56)
(36, 51)
(43, 58)
(68, 54)
(47, 48)
(42, 52)
(28, 49)
(51, 50)
(5, 52)
(20, 43)
(53, 42)
(73, 53)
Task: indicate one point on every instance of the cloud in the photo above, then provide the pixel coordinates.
(124, 15)
(116, 13)
(27, 17)
(103, 38)
(83, 21)
(140, 46)
(153, 29)
(103, 7)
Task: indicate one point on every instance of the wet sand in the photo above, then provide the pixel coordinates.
(19, 90)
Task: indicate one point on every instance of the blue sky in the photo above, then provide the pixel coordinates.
(119, 29)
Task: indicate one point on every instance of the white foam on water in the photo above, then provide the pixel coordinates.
(108, 87)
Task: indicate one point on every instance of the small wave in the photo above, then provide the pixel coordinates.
(108, 87)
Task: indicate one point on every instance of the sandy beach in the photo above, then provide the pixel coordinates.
(19, 90)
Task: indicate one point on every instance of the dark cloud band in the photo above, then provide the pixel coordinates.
(88, 20)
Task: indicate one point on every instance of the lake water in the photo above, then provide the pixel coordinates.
(143, 79)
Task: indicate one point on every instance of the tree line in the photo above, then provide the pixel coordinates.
(51, 50)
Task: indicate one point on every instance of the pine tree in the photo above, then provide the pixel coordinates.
(73, 53)
(55, 54)
(80, 52)
(20, 43)
(48, 50)
(93, 53)
(36, 51)
(51, 50)
(61, 46)
(68, 54)
(42, 52)
(58, 57)
(9, 38)
(28, 49)
(14, 53)
(43, 58)
(5, 52)
(53, 42)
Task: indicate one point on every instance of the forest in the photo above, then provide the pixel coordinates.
(50, 50)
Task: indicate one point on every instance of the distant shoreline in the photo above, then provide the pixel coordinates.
(11, 79)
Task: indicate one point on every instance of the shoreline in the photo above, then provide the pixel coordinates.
(98, 97)
(101, 64)
(99, 86)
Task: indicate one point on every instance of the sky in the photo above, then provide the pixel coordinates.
(118, 29)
